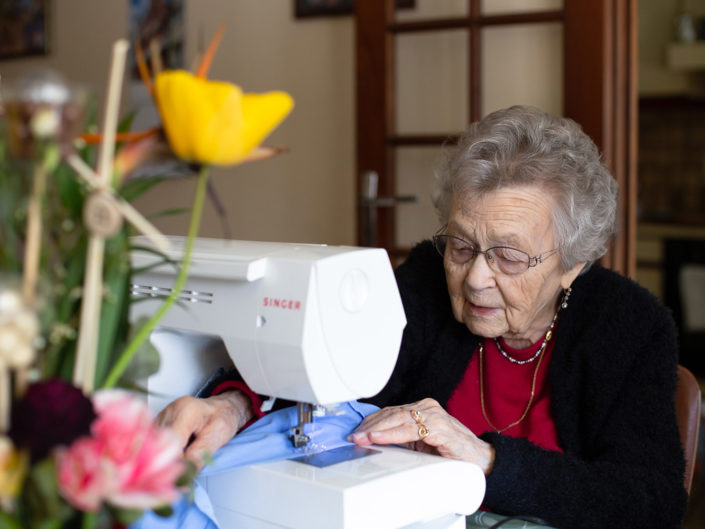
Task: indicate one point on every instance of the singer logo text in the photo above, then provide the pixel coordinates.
(282, 303)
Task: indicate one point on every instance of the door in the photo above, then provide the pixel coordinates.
(424, 73)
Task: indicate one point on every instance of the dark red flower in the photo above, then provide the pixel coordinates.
(52, 413)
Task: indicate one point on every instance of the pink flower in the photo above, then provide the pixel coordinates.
(84, 477)
(127, 462)
(147, 481)
(123, 423)
(148, 460)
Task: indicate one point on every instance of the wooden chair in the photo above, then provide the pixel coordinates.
(688, 401)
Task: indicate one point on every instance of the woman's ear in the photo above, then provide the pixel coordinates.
(569, 276)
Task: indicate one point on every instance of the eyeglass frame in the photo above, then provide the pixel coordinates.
(531, 262)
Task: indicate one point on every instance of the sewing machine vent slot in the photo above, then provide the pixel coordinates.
(189, 296)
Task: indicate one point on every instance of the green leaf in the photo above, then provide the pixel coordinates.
(51, 524)
(89, 152)
(14, 189)
(114, 312)
(190, 472)
(8, 522)
(70, 191)
(126, 516)
(170, 213)
(126, 122)
(146, 249)
(43, 474)
(41, 499)
(164, 511)
(163, 259)
(146, 360)
(59, 355)
(51, 157)
(92, 113)
(132, 189)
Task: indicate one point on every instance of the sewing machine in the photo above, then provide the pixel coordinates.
(314, 324)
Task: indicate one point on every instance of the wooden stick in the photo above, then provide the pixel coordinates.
(107, 151)
(83, 170)
(33, 244)
(155, 53)
(21, 382)
(32, 258)
(4, 398)
(127, 210)
(142, 224)
(87, 346)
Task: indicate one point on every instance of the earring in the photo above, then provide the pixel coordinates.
(566, 295)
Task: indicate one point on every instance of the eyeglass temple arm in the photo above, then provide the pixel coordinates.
(539, 258)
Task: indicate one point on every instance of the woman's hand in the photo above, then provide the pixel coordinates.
(444, 435)
(204, 425)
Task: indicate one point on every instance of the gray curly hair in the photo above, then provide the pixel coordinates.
(524, 145)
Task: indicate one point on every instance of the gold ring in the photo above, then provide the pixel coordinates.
(423, 431)
(416, 415)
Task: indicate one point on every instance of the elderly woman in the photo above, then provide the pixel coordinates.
(521, 355)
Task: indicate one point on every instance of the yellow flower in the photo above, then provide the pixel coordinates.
(13, 468)
(214, 122)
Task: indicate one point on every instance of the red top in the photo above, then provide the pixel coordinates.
(507, 389)
(230, 385)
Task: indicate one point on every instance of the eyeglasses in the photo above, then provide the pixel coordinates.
(504, 259)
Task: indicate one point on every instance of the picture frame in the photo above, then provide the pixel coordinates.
(24, 28)
(321, 8)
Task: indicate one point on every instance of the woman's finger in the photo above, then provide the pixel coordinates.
(400, 426)
(383, 419)
(386, 417)
(397, 434)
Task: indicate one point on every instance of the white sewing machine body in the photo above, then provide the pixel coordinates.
(313, 324)
(308, 323)
(395, 488)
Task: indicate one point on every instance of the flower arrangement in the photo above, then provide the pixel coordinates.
(74, 451)
(95, 459)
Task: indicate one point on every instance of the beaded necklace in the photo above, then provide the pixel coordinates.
(538, 355)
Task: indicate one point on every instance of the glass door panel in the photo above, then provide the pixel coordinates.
(431, 82)
(506, 7)
(431, 9)
(415, 176)
(522, 64)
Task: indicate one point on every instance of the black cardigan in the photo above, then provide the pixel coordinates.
(612, 376)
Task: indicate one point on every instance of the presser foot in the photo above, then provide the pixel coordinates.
(304, 412)
(298, 437)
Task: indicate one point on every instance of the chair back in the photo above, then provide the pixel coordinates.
(688, 403)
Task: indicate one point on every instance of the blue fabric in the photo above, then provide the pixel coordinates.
(266, 440)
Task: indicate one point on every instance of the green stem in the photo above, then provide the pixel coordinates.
(132, 348)
(89, 520)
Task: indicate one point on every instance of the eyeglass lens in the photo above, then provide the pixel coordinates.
(501, 258)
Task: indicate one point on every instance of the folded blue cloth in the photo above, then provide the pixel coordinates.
(266, 440)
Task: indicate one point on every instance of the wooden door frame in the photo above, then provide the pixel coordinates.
(601, 93)
(375, 108)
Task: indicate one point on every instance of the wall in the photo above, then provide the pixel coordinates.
(306, 195)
